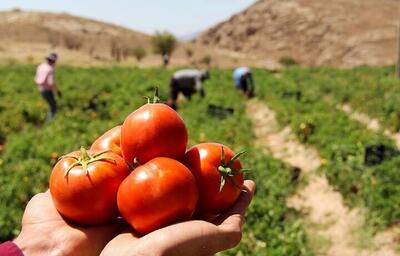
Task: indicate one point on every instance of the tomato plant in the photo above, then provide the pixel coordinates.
(218, 175)
(156, 194)
(153, 130)
(110, 140)
(271, 227)
(84, 186)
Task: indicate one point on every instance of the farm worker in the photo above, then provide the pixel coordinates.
(45, 80)
(165, 60)
(243, 80)
(187, 81)
(45, 232)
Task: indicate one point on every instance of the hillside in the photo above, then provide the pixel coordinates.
(342, 33)
(30, 35)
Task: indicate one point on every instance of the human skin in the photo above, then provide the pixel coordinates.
(45, 232)
(194, 237)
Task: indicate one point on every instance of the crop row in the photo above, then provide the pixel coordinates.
(372, 90)
(95, 100)
(367, 180)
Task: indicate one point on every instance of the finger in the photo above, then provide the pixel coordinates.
(40, 209)
(235, 215)
(232, 221)
(109, 231)
(186, 238)
(203, 238)
(122, 244)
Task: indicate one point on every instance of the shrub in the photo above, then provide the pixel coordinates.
(287, 61)
(139, 53)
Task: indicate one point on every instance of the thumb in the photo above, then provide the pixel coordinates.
(235, 215)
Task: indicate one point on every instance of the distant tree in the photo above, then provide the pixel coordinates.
(164, 43)
(206, 60)
(189, 52)
(139, 53)
(287, 61)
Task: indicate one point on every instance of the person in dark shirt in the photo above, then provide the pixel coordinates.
(187, 82)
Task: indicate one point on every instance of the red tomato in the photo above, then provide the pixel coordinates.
(218, 178)
(111, 140)
(153, 130)
(84, 186)
(161, 192)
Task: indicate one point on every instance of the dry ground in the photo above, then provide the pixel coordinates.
(332, 227)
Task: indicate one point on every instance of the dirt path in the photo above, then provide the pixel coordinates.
(331, 226)
(389, 238)
(371, 123)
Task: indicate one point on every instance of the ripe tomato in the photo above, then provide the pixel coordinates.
(218, 178)
(161, 192)
(111, 140)
(153, 130)
(84, 186)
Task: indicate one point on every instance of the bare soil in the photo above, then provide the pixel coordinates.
(371, 123)
(332, 227)
(342, 33)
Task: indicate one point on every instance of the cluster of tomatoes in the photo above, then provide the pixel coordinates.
(143, 172)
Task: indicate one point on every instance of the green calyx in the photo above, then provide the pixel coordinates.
(155, 99)
(84, 159)
(227, 171)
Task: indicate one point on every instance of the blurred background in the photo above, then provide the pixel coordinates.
(261, 33)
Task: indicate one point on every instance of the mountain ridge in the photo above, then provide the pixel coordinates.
(342, 33)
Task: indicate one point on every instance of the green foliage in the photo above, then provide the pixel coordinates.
(307, 97)
(31, 147)
(139, 53)
(375, 91)
(206, 60)
(164, 43)
(189, 52)
(287, 61)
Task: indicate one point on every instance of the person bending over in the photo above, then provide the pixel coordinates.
(243, 80)
(187, 82)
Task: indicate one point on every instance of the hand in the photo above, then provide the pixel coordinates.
(188, 238)
(45, 232)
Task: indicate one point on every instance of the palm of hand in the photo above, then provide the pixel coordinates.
(41, 219)
(188, 238)
(45, 232)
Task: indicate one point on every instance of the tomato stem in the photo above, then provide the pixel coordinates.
(227, 171)
(155, 99)
(85, 159)
(84, 155)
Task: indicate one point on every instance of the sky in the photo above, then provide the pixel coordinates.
(181, 17)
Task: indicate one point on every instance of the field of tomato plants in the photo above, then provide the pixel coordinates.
(374, 91)
(306, 100)
(95, 100)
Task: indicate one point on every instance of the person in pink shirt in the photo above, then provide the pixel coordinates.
(46, 83)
